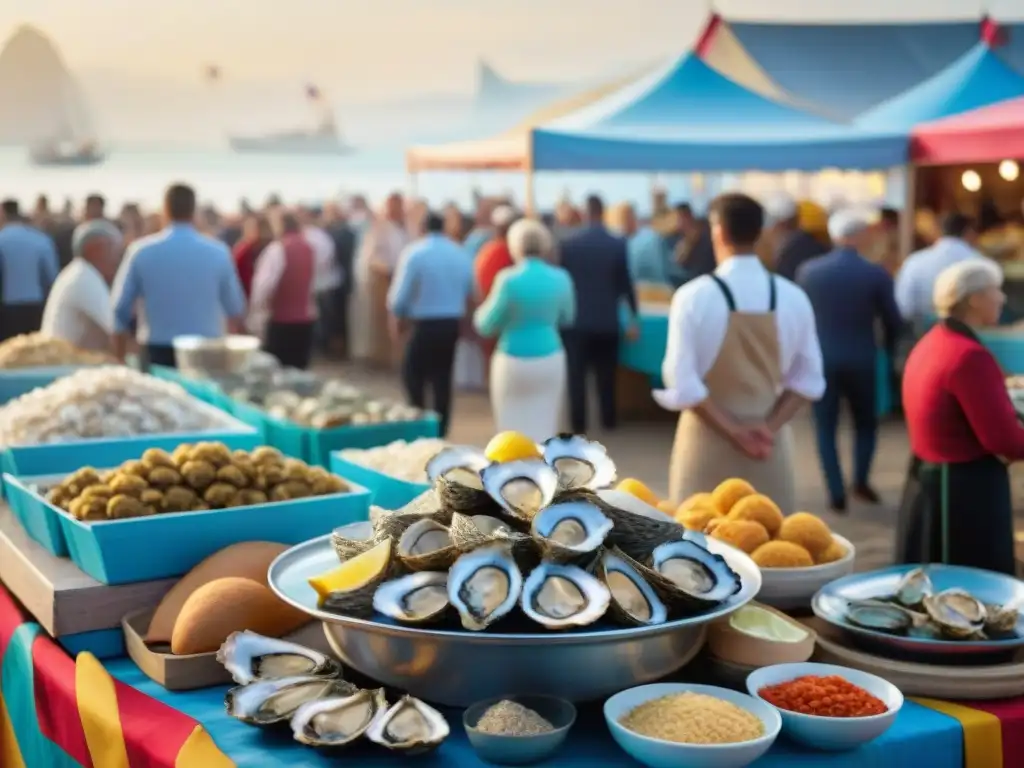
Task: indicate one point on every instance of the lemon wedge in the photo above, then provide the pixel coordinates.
(636, 488)
(511, 446)
(355, 573)
(765, 625)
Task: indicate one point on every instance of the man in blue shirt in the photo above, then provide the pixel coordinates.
(28, 267)
(184, 281)
(849, 294)
(431, 290)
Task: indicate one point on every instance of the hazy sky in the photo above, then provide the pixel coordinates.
(383, 47)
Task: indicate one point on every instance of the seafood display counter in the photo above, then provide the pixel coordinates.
(527, 607)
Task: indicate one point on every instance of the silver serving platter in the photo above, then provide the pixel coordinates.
(456, 667)
(831, 601)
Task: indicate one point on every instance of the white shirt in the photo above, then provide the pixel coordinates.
(327, 274)
(915, 282)
(78, 308)
(265, 279)
(699, 318)
(383, 245)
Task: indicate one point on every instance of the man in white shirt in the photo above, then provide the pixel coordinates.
(78, 308)
(742, 359)
(915, 282)
(327, 276)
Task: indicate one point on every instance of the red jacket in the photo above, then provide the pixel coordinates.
(293, 299)
(955, 400)
(245, 254)
(492, 258)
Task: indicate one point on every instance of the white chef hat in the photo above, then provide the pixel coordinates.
(851, 221)
(780, 207)
(503, 215)
(959, 282)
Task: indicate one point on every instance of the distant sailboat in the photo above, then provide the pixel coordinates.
(67, 147)
(326, 139)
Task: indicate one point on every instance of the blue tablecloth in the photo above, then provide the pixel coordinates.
(920, 738)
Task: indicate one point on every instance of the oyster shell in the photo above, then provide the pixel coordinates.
(699, 578)
(639, 527)
(248, 656)
(633, 600)
(455, 475)
(426, 545)
(563, 596)
(580, 463)
(484, 585)
(358, 600)
(521, 488)
(913, 588)
(337, 721)
(1002, 619)
(409, 726)
(956, 613)
(881, 616)
(413, 599)
(471, 531)
(266, 702)
(393, 524)
(569, 531)
(352, 539)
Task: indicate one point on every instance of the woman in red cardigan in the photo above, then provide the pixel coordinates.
(963, 431)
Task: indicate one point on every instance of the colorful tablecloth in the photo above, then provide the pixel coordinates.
(59, 712)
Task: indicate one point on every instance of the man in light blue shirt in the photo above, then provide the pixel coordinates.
(431, 290)
(647, 252)
(184, 281)
(28, 267)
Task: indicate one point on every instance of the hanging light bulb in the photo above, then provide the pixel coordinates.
(1009, 170)
(971, 181)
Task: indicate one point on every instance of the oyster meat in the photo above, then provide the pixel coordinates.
(266, 702)
(409, 726)
(956, 613)
(413, 599)
(521, 488)
(570, 530)
(337, 721)
(426, 545)
(352, 539)
(633, 600)
(913, 588)
(249, 656)
(580, 463)
(484, 585)
(700, 579)
(563, 596)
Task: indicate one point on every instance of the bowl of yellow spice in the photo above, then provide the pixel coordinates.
(667, 725)
(518, 730)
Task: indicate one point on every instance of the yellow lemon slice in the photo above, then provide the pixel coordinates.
(511, 446)
(634, 487)
(354, 573)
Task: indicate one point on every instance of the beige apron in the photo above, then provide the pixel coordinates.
(745, 380)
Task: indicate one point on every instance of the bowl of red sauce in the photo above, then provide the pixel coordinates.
(825, 706)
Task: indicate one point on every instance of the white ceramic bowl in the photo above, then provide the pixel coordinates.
(656, 753)
(834, 734)
(794, 587)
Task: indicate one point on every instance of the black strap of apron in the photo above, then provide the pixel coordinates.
(732, 301)
(725, 292)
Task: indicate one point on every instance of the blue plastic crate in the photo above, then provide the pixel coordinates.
(164, 546)
(101, 643)
(386, 491)
(15, 383)
(39, 519)
(254, 417)
(323, 442)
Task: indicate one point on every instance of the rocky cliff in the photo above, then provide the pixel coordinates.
(39, 98)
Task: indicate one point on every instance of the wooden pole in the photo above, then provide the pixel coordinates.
(907, 220)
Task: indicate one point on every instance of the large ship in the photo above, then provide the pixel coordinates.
(326, 140)
(71, 142)
(63, 154)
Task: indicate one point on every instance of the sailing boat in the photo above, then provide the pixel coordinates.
(67, 147)
(326, 139)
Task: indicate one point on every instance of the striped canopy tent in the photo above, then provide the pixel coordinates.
(689, 117)
(508, 151)
(846, 68)
(986, 135)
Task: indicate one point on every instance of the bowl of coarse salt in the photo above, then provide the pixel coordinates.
(667, 725)
(518, 730)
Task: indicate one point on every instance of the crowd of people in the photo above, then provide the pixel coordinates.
(773, 308)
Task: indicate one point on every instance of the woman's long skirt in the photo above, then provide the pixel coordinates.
(528, 393)
(958, 514)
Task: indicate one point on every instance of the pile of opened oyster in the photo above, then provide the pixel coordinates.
(283, 683)
(545, 535)
(916, 609)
